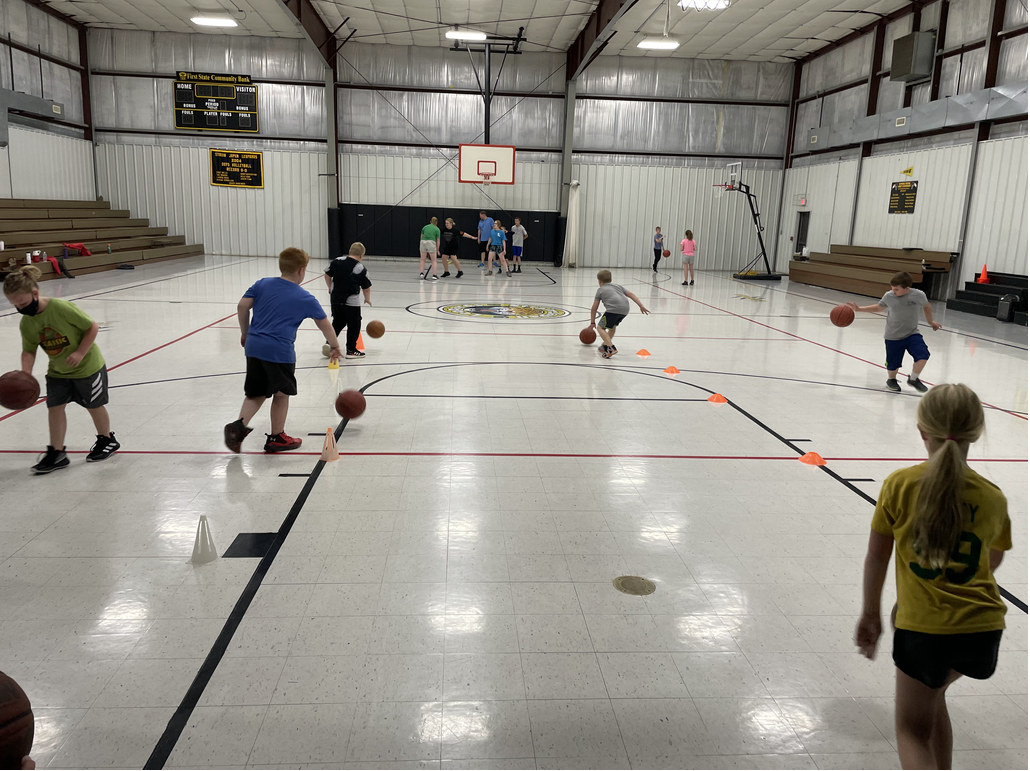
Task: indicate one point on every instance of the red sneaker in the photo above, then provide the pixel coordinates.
(281, 443)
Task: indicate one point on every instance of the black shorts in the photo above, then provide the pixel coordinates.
(90, 392)
(611, 320)
(929, 658)
(267, 378)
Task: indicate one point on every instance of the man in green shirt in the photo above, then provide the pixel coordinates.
(428, 246)
(76, 371)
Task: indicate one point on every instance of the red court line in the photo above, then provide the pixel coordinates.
(520, 455)
(805, 339)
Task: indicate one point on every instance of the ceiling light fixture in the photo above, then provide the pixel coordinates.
(214, 21)
(465, 34)
(703, 5)
(659, 43)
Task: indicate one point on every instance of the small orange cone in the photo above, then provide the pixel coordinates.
(671, 371)
(812, 459)
(360, 344)
(983, 277)
(329, 451)
(717, 399)
(643, 352)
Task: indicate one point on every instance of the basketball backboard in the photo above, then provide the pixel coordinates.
(733, 175)
(486, 164)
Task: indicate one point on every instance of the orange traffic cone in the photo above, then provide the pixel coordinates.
(983, 277)
(812, 459)
(717, 399)
(643, 353)
(360, 344)
(329, 451)
(671, 371)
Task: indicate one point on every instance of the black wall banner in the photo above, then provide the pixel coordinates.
(210, 102)
(903, 198)
(230, 168)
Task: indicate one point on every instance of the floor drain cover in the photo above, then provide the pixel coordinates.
(634, 585)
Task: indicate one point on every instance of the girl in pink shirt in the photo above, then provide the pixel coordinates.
(689, 248)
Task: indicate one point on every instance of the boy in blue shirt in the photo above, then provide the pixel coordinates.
(279, 306)
(497, 249)
(486, 224)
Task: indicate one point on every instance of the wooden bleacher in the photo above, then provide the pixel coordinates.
(28, 224)
(866, 270)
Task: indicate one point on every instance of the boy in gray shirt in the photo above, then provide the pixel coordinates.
(518, 236)
(901, 333)
(616, 306)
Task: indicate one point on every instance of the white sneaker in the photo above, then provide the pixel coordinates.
(325, 350)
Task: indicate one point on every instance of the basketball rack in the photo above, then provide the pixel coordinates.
(750, 272)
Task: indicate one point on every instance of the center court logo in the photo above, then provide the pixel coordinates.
(504, 311)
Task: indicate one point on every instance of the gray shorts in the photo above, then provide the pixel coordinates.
(688, 259)
(90, 392)
(427, 247)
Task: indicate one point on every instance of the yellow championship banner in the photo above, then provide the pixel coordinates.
(237, 168)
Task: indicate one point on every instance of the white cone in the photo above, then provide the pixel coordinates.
(204, 549)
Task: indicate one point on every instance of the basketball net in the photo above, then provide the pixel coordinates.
(486, 179)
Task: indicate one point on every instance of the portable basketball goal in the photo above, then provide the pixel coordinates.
(736, 184)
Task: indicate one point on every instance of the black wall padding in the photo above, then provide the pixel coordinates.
(559, 240)
(335, 231)
(393, 231)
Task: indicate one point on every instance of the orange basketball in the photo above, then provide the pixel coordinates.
(18, 390)
(587, 336)
(666, 253)
(842, 316)
(376, 329)
(350, 404)
(17, 724)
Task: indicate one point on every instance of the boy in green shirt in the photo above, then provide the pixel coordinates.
(428, 246)
(76, 371)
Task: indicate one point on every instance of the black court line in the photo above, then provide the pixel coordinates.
(300, 475)
(148, 283)
(547, 276)
(846, 480)
(177, 723)
(799, 440)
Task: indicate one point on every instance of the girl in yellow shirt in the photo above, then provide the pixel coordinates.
(951, 527)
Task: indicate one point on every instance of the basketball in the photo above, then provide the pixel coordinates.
(666, 253)
(17, 724)
(842, 316)
(376, 329)
(587, 336)
(18, 390)
(350, 404)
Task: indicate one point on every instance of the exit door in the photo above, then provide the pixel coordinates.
(801, 234)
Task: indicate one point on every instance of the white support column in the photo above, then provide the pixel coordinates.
(566, 148)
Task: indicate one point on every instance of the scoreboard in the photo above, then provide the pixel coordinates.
(212, 102)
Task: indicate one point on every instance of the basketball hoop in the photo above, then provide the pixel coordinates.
(726, 187)
(486, 179)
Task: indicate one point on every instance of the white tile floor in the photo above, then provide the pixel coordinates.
(444, 598)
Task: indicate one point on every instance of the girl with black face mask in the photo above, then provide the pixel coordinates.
(76, 371)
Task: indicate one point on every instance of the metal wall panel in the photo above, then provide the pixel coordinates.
(997, 234)
(1015, 13)
(34, 28)
(678, 78)
(430, 180)
(44, 165)
(621, 205)
(841, 65)
(1012, 61)
(171, 186)
(967, 21)
(828, 189)
(938, 213)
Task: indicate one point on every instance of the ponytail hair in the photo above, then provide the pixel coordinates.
(433, 220)
(22, 280)
(952, 415)
(690, 235)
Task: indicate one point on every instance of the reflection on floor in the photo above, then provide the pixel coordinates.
(443, 596)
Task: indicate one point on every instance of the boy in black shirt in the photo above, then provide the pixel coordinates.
(347, 280)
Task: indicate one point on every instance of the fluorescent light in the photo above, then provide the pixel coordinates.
(659, 43)
(703, 5)
(465, 34)
(214, 21)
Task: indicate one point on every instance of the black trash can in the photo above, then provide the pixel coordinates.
(1007, 307)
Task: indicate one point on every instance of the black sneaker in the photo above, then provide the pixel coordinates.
(234, 434)
(918, 385)
(445, 274)
(355, 354)
(692, 282)
(685, 283)
(52, 460)
(509, 274)
(105, 447)
(893, 385)
(460, 274)
(612, 350)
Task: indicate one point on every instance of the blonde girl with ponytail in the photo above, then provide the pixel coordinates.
(951, 527)
(75, 367)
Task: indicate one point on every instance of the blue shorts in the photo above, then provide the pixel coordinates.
(516, 251)
(915, 346)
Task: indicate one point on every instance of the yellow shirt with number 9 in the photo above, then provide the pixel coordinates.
(962, 597)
